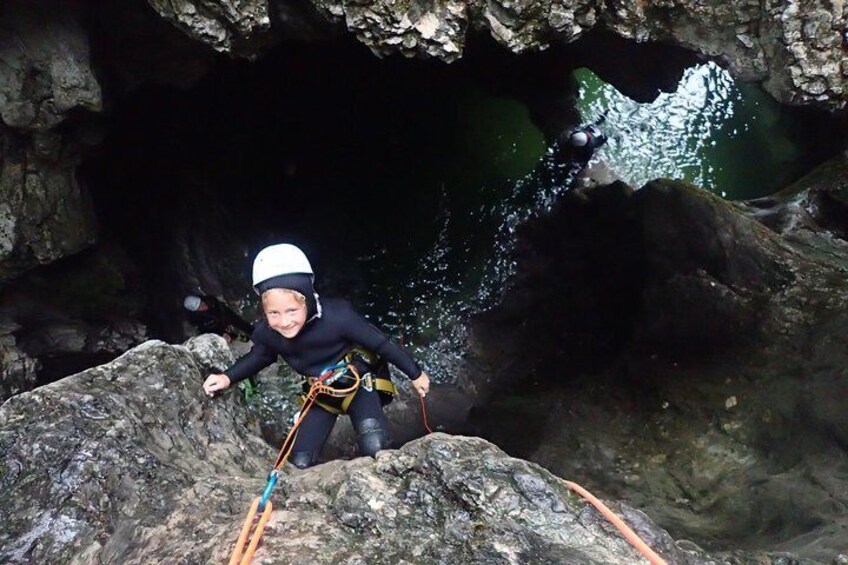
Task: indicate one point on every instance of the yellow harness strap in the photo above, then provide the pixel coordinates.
(368, 380)
(378, 383)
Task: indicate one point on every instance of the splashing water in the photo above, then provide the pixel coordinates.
(733, 140)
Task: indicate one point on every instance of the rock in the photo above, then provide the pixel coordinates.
(69, 317)
(813, 208)
(46, 70)
(708, 261)
(130, 462)
(17, 369)
(413, 29)
(45, 74)
(795, 49)
(211, 353)
(44, 213)
(444, 499)
(109, 453)
(225, 25)
(144, 48)
(645, 313)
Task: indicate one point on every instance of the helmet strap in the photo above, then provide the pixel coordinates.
(318, 310)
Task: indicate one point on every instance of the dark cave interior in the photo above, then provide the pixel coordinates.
(325, 146)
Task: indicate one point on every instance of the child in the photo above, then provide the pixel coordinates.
(311, 335)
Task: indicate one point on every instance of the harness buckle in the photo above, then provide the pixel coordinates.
(367, 382)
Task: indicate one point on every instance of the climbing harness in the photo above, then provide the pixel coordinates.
(369, 379)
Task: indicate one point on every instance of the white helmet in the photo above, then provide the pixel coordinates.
(579, 138)
(192, 303)
(280, 259)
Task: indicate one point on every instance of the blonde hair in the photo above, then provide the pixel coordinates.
(298, 296)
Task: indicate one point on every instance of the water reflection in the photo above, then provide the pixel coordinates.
(733, 140)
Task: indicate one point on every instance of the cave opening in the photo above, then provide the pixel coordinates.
(405, 181)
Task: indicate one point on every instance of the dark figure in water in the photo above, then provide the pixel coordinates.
(210, 315)
(573, 150)
(582, 141)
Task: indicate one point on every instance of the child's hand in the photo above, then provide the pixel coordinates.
(215, 383)
(422, 384)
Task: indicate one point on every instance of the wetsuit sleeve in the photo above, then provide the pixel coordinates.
(256, 359)
(362, 332)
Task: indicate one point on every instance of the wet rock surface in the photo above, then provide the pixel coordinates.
(130, 463)
(720, 399)
(61, 319)
(702, 355)
(52, 98)
(109, 453)
(17, 369)
(45, 75)
(48, 75)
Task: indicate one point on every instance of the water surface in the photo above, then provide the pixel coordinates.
(732, 139)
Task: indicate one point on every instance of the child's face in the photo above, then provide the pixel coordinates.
(285, 313)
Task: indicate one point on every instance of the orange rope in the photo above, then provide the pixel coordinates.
(625, 530)
(241, 557)
(260, 528)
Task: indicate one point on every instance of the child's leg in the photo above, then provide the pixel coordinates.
(371, 425)
(311, 435)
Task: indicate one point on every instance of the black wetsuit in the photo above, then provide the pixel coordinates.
(219, 319)
(596, 138)
(320, 343)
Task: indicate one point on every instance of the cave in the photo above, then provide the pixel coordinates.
(432, 195)
(337, 150)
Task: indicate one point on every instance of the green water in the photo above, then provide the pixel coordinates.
(491, 173)
(447, 223)
(733, 140)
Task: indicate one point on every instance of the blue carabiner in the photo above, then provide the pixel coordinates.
(272, 482)
(331, 368)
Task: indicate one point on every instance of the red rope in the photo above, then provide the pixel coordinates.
(424, 414)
